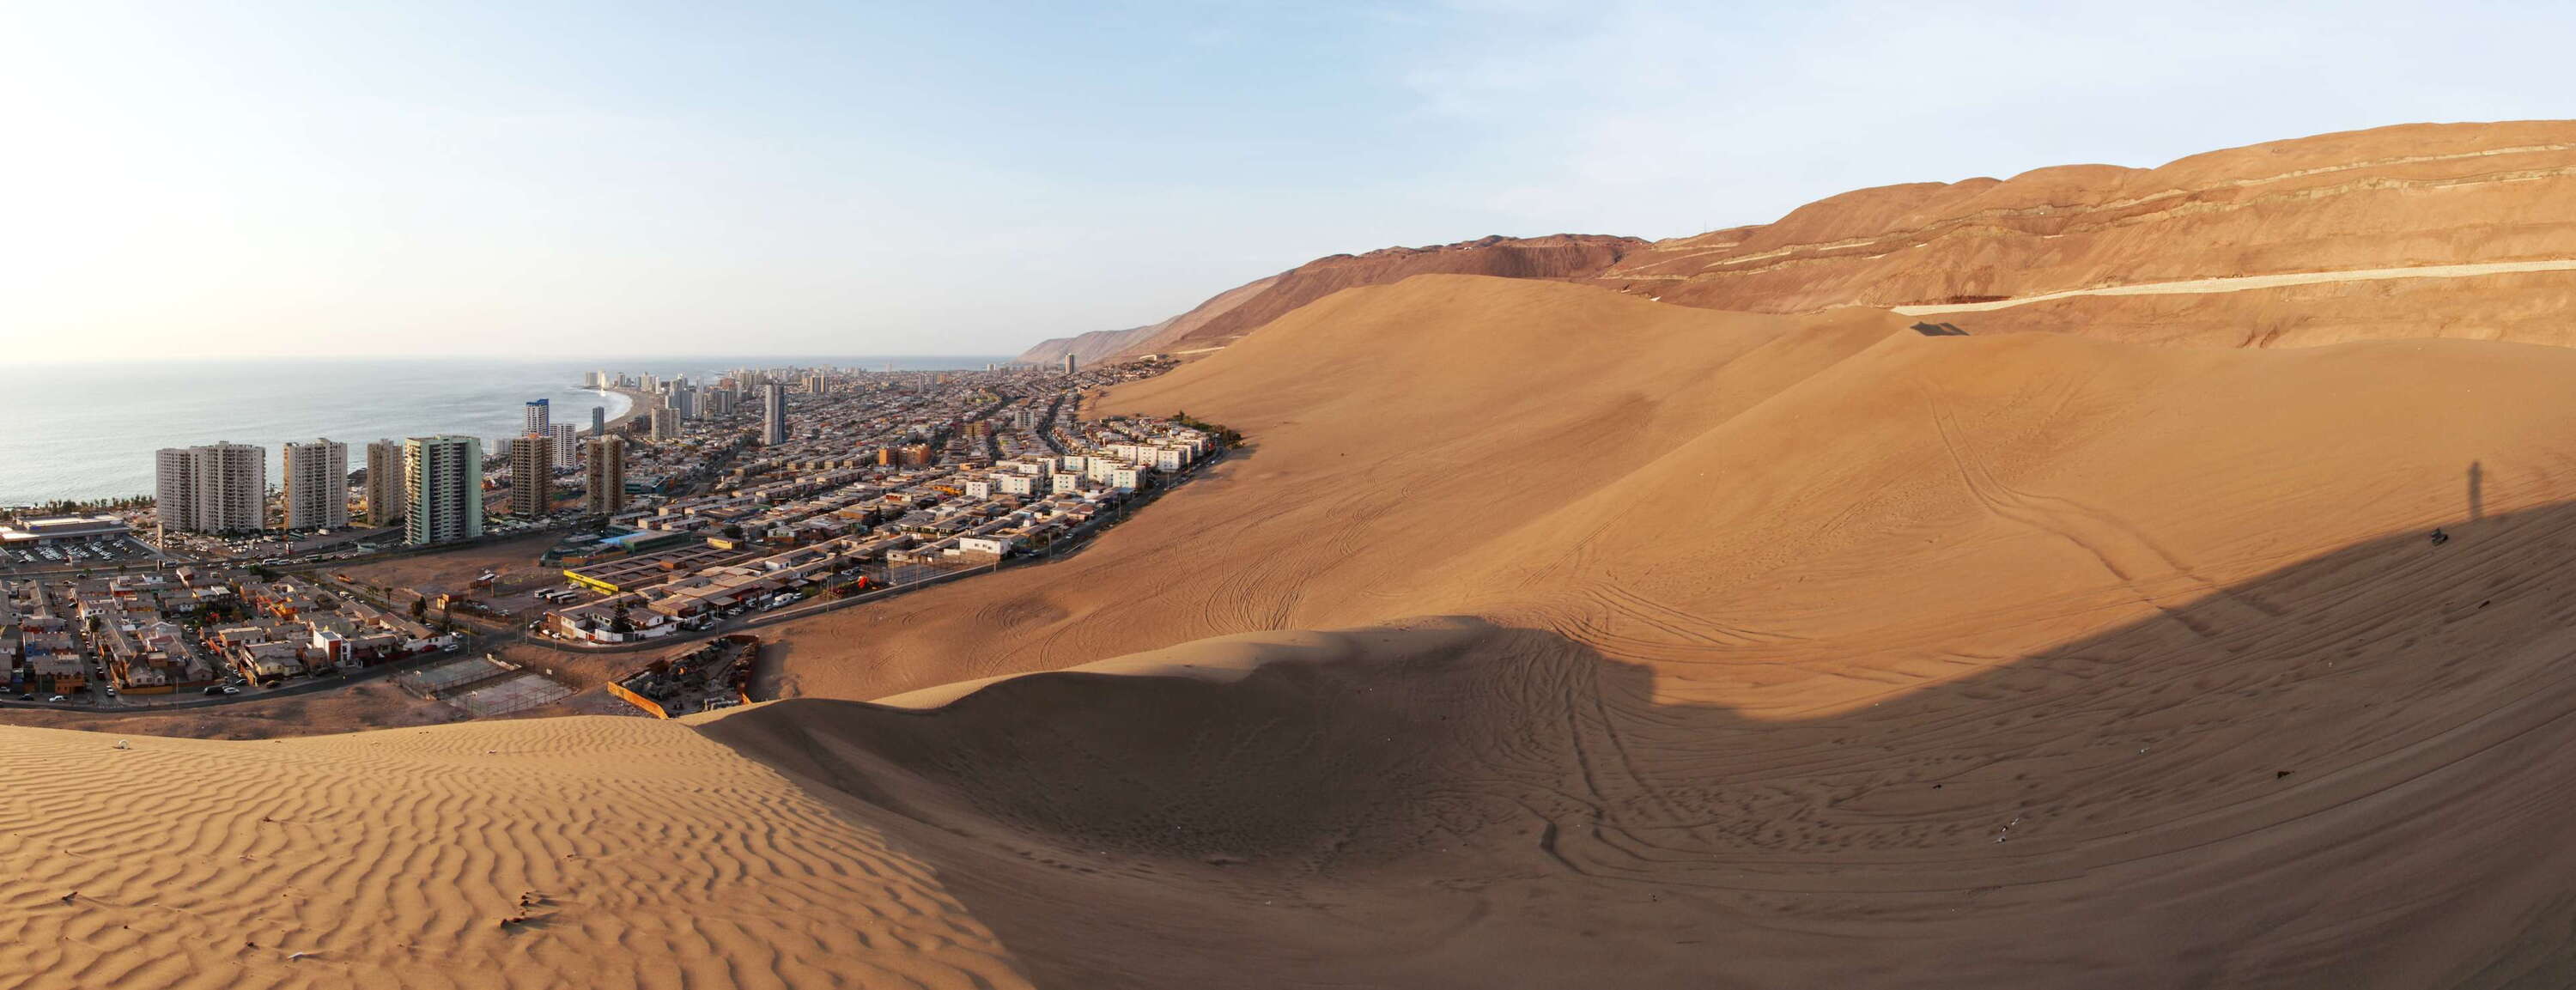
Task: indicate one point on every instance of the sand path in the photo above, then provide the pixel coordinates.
(2243, 283)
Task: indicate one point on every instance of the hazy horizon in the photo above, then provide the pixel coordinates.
(794, 178)
(628, 363)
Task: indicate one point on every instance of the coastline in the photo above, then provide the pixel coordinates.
(89, 433)
(635, 407)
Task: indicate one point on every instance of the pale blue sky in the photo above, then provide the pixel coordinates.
(555, 178)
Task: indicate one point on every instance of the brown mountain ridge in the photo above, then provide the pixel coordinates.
(1242, 309)
(2305, 241)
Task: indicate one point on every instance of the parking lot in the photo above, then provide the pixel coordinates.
(101, 552)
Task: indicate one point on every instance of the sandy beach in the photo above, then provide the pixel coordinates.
(638, 404)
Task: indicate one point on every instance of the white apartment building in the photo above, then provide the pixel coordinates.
(567, 454)
(979, 488)
(537, 418)
(1018, 484)
(442, 489)
(1064, 483)
(216, 488)
(317, 485)
(1126, 479)
(1168, 459)
(174, 488)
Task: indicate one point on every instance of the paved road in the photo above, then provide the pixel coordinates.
(2243, 283)
(1046, 426)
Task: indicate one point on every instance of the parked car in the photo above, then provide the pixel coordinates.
(58, 698)
(214, 689)
(229, 689)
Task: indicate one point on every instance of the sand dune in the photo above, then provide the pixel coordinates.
(1369, 474)
(1462, 807)
(1726, 649)
(390, 859)
(1770, 649)
(1679, 461)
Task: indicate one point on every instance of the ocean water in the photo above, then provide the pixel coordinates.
(89, 430)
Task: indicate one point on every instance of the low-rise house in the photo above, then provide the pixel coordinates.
(266, 662)
(995, 547)
(597, 621)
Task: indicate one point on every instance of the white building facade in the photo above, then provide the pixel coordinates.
(216, 488)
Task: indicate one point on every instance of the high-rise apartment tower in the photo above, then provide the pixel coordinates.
(532, 475)
(384, 482)
(773, 413)
(442, 489)
(216, 488)
(604, 475)
(317, 485)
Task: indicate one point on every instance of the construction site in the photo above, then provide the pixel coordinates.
(483, 686)
(712, 675)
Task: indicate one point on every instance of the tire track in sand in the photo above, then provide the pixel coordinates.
(2127, 554)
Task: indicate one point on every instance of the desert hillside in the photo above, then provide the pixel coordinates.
(1677, 457)
(2414, 231)
(1778, 650)
(1231, 314)
(2491, 200)
(1086, 347)
(2420, 194)
(1102, 345)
